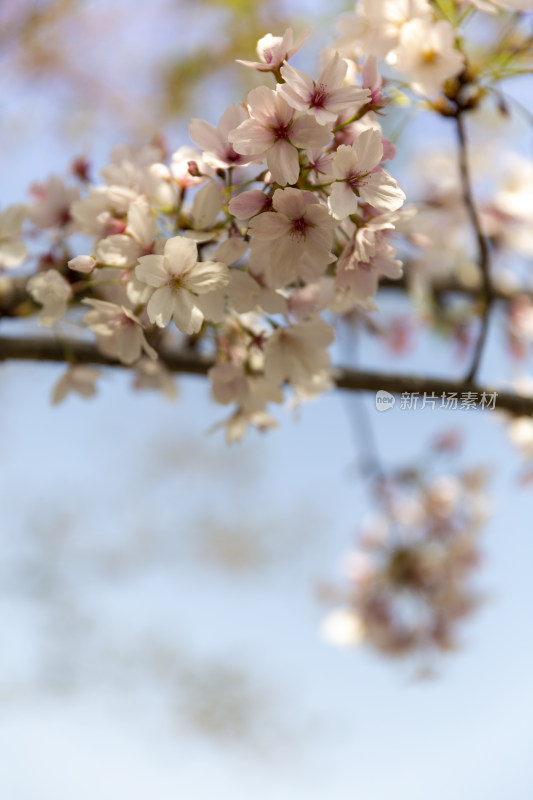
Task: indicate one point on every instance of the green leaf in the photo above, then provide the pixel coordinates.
(447, 9)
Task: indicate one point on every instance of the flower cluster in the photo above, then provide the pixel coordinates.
(407, 34)
(246, 247)
(411, 574)
(248, 243)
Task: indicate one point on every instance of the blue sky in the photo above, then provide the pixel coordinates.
(139, 658)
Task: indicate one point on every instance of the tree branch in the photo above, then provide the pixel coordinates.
(482, 244)
(192, 363)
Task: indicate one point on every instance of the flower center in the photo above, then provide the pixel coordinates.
(429, 56)
(355, 179)
(231, 155)
(299, 228)
(282, 131)
(319, 96)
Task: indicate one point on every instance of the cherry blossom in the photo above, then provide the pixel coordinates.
(274, 132)
(120, 332)
(299, 229)
(178, 278)
(218, 151)
(274, 51)
(427, 54)
(52, 202)
(84, 264)
(154, 375)
(376, 25)
(358, 280)
(79, 379)
(325, 98)
(53, 292)
(355, 170)
(297, 353)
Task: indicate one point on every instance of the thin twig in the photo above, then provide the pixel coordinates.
(482, 244)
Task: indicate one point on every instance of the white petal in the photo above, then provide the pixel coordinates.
(282, 160)
(187, 316)
(118, 250)
(206, 206)
(206, 276)
(368, 149)
(342, 201)
(128, 345)
(213, 305)
(161, 306)
(344, 163)
(141, 223)
(12, 253)
(205, 135)
(151, 270)
(382, 191)
(180, 254)
(333, 73)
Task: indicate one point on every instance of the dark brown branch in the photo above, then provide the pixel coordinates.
(443, 286)
(191, 363)
(482, 245)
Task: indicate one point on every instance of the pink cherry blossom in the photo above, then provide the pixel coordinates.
(359, 280)
(325, 98)
(274, 132)
(355, 170)
(298, 229)
(218, 150)
(274, 51)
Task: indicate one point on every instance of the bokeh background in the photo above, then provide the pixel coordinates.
(160, 593)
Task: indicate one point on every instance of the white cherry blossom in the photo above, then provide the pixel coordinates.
(299, 352)
(376, 25)
(427, 54)
(53, 292)
(178, 278)
(119, 331)
(79, 379)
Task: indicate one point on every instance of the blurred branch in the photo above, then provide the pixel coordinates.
(16, 302)
(482, 244)
(191, 363)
